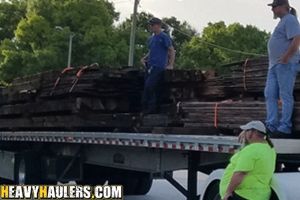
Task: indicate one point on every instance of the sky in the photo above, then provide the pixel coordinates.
(199, 12)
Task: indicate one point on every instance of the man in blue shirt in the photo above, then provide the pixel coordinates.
(284, 57)
(161, 56)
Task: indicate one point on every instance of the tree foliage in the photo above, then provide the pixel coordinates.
(11, 12)
(37, 44)
(202, 52)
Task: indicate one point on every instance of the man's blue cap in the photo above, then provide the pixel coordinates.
(155, 20)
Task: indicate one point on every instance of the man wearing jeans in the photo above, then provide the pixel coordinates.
(161, 56)
(284, 57)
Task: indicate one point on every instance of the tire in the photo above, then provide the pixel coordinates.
(213, 192)
(92, 175)
(27, 169)
(126, 178)
(274, 196)
(291, 167)
(134, 183)
(144, 185)
(5, 181)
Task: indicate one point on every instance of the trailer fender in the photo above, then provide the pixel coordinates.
(285, 186)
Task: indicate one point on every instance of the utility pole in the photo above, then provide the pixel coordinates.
(133, 34)
(70, 49)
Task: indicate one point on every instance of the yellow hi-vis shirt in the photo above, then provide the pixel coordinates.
(258, 160)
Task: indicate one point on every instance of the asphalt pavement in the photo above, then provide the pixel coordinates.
(163, 190)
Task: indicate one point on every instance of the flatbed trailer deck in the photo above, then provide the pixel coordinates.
(159, 154)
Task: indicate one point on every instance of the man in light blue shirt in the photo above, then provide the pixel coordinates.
(284, 57)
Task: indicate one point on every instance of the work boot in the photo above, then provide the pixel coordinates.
(281, 135)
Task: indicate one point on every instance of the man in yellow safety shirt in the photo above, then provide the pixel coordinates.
(249, 174)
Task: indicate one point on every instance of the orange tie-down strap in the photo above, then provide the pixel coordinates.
(64, 71)
(79, 73)
(216, 109)
(245, 71)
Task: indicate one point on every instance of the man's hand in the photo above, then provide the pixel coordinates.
(170, 67)
(284, 59)
(242, 137)
(143, 61)
(236, 180)
(227, 196)
(293, 48)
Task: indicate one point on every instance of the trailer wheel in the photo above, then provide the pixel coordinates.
(291, 167)
(213, 192)
(134, 183)
(27, 170)
(5, 181)
(129, 185)
(145, 181)
(274, 196)
(92, 175)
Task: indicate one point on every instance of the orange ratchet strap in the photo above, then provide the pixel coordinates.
(64, 71)
(78, 75)
(245, 70)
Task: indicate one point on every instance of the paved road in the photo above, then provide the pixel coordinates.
(163, 190)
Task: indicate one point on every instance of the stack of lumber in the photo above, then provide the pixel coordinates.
(242, 79)
(183, 84)
(227, 101)
(227, 114)
(99, 99)
(88, 98)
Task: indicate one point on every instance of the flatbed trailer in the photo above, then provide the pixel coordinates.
(131, 159)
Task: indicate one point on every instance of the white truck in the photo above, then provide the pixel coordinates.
(134, 160)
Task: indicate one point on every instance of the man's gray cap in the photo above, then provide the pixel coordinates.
(257, 125)
(279, 3)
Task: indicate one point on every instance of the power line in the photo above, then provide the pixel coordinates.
(209, 43)
(121, 1)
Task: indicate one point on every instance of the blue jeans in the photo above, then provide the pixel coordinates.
(280, 85)
(153, 89)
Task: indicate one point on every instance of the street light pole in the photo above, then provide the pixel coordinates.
(133, 34)
(70, 49)
(72, 35)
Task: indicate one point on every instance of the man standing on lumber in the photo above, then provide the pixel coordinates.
(249, 174)
(161, 56)
(284, 57)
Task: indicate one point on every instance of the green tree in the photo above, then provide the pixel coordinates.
(201, 52)
(37, 44)
(12, 12)
(181, 32)
(142, 35)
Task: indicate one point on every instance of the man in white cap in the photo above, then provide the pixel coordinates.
(249, 173)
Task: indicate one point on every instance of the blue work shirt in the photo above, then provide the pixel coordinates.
(159, 46)
(281, 39)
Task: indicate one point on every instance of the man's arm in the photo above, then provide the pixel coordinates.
(145, 58)
(236, 180)
(171, 56)
(291, 50)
